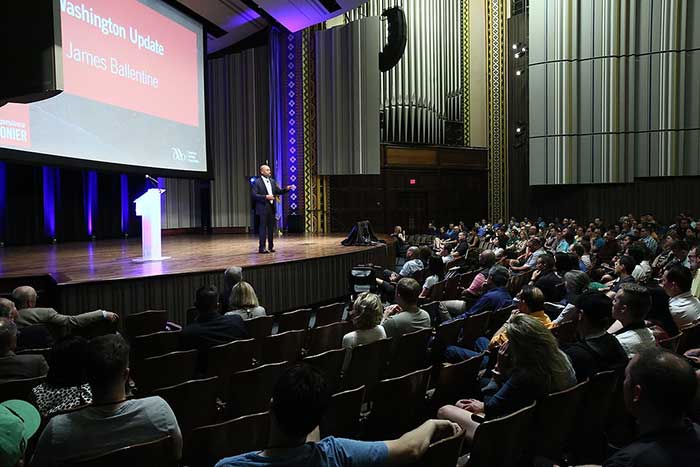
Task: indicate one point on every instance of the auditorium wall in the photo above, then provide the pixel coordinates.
(416, 185)
(613, 90)
(663, 196)
(424, 98)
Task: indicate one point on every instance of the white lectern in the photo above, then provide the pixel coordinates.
(148, 207)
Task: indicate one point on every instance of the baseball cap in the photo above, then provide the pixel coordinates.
(19, 420)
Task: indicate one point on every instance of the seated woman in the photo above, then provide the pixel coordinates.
(366, 314)
(66, 384)
(244, 302)
(436, 273)
(529, 367)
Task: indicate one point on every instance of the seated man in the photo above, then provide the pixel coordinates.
(17, 366)
(459, 251)
(487, 259)
(113, 421)
(658, 389)
(496, 297)
(210, 328)
(549, 281)
(595, 350)
(36, 336)
(412, 265)
(232, 276)
(405, 316)
(630, 308)
(530, 302)
(534, 251)
(25, 299)
(683, 306)
(695, 271)
(299, 399)
(623, 268)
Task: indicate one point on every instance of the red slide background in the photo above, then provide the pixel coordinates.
(17, 113)
(176, 97)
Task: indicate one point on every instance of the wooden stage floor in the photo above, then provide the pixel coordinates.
(100, 273)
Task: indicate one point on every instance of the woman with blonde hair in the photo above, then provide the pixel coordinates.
(244, 302)
(530, 366)
(366, 314)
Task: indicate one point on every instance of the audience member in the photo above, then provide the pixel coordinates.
(649, 241)
(679, 255)
(36, 336)
(232, 276)
(405, 316)
(299, 400)
(630, 307)
(577, 251)
(459, 251)
(436, 273)
(17, 366)
(66, 384)
(113, 421)
(529, 367)
(666, 254)
(694, 267)
(412, 265)
(642, 271)
(658, 389)
(25, 300)
(496, 296)
(19, 420)
(575, 283)
(210, 328)
(595, 349)
(534, 251)
(609, 249)
(530, 301)
(547, 279)
(683, 306)
(623, 268)
(243, 301)
(366, 314)
(487, 259)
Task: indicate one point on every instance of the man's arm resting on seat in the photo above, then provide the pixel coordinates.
(412, 445)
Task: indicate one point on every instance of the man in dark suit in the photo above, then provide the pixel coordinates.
(17, 366)
(263, 192)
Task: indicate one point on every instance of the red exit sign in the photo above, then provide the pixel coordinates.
(412, 181)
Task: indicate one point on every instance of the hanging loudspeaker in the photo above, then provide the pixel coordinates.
(396, 41)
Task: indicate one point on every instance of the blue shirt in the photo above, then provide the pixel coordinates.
(411, 267)
(494, 299)
(329, 452)
(582, 266)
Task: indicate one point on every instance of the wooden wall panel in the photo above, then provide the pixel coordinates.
(453, 188)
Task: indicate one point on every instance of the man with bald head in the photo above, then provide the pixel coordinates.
(25, 300)
(263, 192)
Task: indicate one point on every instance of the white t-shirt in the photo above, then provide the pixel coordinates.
(634, 340)
(360, 337)
(431, 281)
(684, 308)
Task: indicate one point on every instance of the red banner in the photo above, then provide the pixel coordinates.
(14, 126)
(128, 55)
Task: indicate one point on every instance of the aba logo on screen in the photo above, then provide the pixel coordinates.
(184, 156)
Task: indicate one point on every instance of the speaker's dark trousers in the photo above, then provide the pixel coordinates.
(267, 226)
